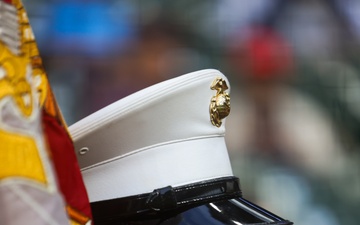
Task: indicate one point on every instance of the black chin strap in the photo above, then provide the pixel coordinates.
(166, 199)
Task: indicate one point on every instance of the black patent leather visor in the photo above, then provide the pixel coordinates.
(211, 202)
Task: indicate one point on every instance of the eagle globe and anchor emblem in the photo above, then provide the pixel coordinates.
(220, 103)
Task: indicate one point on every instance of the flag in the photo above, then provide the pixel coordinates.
(40, 180)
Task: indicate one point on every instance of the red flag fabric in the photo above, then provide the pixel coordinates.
(67, 168)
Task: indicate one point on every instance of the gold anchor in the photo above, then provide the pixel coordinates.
(220, 103)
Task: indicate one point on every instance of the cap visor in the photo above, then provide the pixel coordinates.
(237, 211)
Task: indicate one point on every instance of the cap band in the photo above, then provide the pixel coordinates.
(176, 163)
(166, 199)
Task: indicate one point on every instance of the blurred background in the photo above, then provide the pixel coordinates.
(294, 68)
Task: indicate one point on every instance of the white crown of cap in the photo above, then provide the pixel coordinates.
(159, 136)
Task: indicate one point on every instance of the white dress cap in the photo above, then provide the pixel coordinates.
(171, 133)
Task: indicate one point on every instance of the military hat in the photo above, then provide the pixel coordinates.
(159, 156)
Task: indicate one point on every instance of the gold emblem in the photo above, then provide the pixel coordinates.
(220, 103)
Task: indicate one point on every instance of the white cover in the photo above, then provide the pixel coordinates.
(159, 136)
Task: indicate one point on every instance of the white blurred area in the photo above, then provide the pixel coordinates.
(293, 133)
